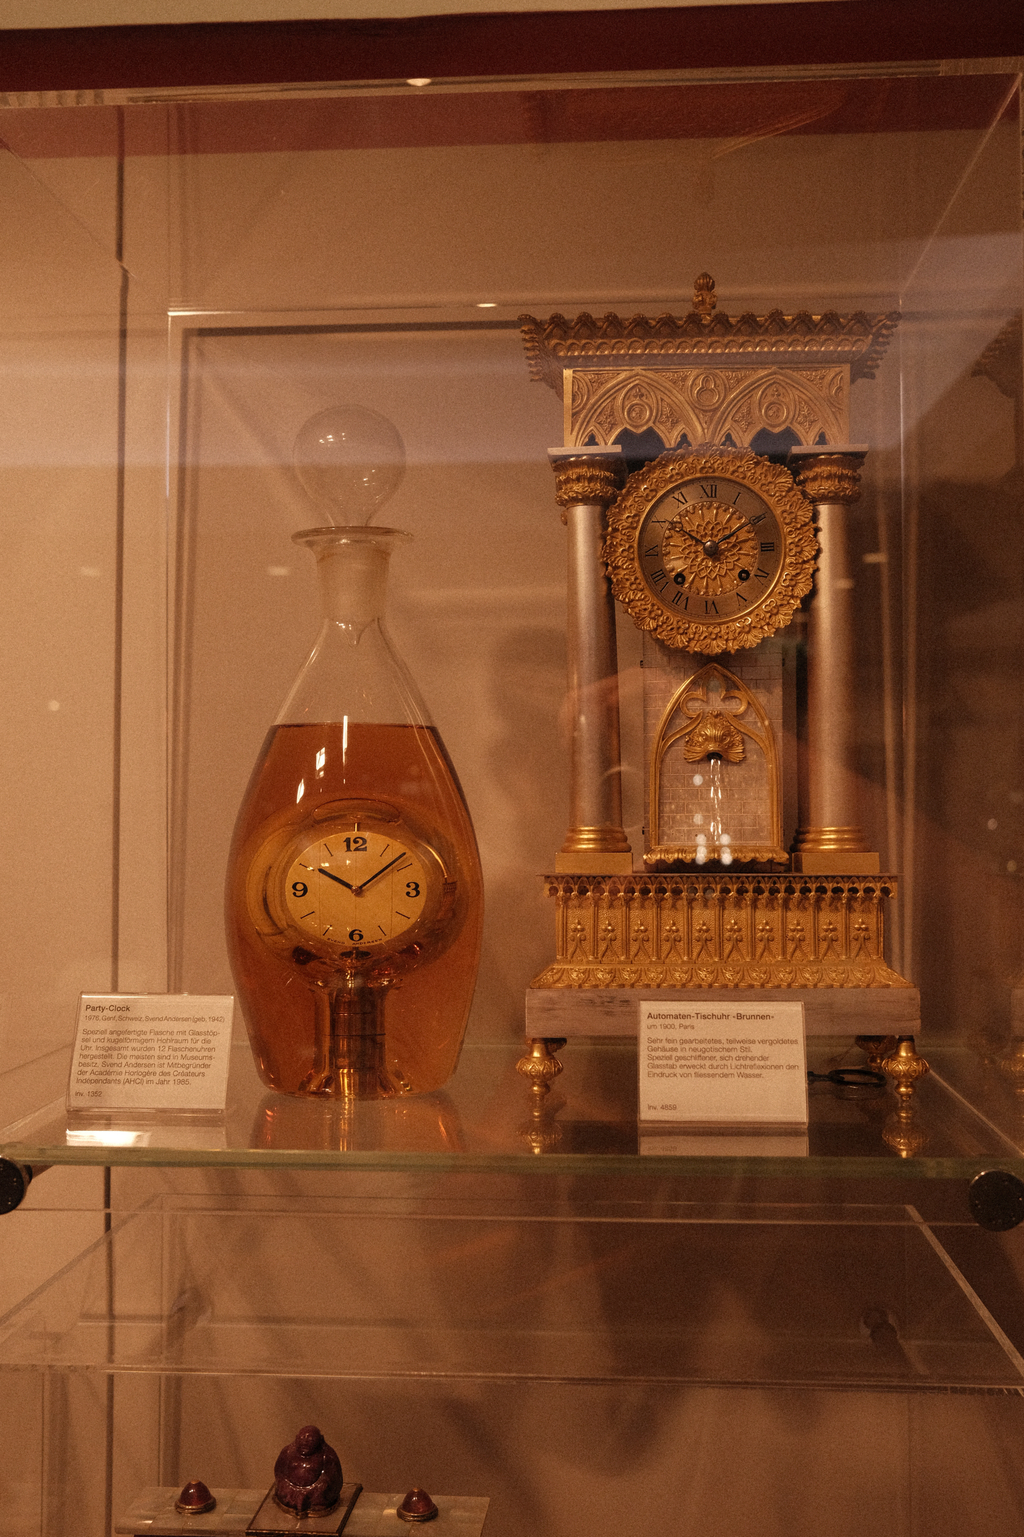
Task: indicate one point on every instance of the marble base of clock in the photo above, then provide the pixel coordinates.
(570, 1011)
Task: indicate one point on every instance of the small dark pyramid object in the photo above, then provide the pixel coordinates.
(417, 1506)
(195, 1499)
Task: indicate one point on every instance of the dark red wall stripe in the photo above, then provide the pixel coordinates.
(838, 31)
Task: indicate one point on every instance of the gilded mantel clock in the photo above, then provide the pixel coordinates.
(753, 874)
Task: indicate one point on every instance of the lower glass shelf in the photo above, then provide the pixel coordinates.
(966, 1117)
(557, 1359)
(576, 1290)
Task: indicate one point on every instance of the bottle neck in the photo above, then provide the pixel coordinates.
(353, 672)
(352, 569)
(353, 583)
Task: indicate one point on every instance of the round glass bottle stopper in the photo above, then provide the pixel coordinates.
(350, 460)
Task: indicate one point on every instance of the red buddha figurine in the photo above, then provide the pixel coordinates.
(307, 1475)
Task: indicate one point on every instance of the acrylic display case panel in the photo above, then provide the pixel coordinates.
(259, 259)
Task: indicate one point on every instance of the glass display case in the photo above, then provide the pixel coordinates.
(539, 1297)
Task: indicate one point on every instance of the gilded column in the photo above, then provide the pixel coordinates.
(588, 480)
(830, 840)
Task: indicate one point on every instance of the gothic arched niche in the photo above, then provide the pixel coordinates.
(715, 792)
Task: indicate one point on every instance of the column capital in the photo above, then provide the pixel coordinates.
(587, 477)
(829, 473)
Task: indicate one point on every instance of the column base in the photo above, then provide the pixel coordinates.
(594, 863)
(828, 862)
(828, 850)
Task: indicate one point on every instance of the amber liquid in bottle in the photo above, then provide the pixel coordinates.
(304, 769)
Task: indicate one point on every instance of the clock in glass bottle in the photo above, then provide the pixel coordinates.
(354, 895)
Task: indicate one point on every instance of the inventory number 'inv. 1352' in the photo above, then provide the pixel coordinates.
(150, 1051)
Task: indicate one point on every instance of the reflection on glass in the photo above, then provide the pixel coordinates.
(428, 1123)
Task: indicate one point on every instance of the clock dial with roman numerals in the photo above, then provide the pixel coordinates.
(711, 551)
(710, 548)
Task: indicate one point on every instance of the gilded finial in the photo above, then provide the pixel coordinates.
(704, 301)
(541, 1066)
(904, 1067)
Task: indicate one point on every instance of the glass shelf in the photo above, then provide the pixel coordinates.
(181, 1280)
(966, 1118)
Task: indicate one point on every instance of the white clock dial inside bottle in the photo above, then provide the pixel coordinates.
(358, 888)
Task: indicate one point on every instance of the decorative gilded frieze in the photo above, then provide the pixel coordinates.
(693, 930)
(707, 405)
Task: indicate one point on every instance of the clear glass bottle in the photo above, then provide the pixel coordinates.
(354, 899)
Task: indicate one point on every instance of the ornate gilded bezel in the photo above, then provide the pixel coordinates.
(775, 610)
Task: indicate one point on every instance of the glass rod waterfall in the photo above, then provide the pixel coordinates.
(354, 898)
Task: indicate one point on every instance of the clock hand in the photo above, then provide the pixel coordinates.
(330, 877)
(681, 528)
(358, 890)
